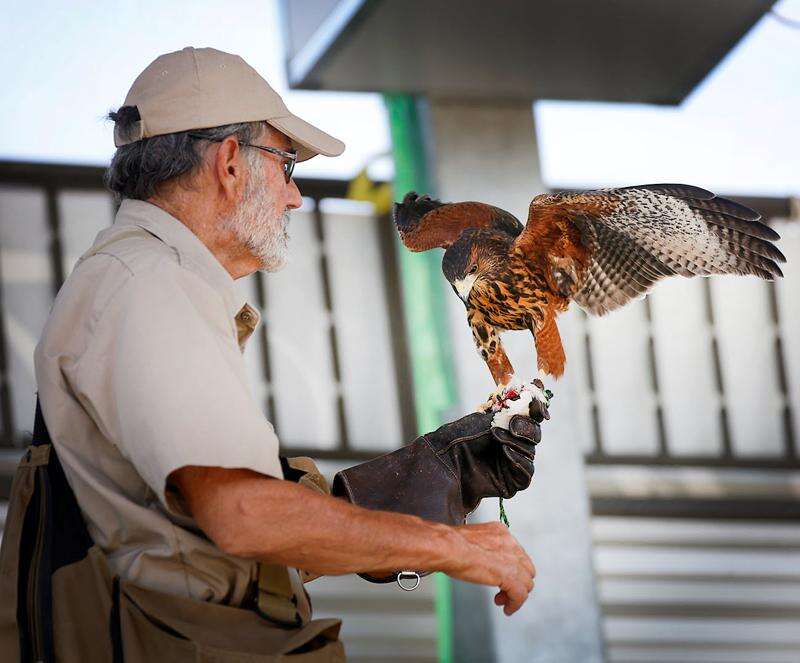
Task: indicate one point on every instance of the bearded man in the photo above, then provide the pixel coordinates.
(194, 524)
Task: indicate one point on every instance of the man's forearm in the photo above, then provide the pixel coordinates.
(248, 514)
(251, 515)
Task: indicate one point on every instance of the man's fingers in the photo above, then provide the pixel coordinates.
(514, 590)
(516, 596)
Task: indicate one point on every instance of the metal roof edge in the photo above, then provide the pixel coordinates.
(323, 41)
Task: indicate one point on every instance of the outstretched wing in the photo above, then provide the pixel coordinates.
(425, 224)
(607, 247)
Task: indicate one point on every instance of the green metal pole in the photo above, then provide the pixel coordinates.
(424, 308)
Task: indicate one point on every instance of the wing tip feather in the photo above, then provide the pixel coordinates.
(413, 207)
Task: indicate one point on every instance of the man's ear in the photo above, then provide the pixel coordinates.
(229, 167)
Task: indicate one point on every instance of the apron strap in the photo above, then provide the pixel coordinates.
(281, 597)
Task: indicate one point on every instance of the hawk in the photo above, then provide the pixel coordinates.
(599, 248)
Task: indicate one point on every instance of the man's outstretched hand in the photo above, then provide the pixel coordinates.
(494, 557)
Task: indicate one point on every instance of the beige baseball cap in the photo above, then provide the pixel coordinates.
(198, 88)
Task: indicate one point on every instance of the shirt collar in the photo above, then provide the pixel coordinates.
(193, 255)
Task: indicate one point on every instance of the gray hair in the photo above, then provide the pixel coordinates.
(139, 168)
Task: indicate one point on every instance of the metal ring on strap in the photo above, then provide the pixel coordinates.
(408, 575)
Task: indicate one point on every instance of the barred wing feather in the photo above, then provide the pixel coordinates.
(636, 236)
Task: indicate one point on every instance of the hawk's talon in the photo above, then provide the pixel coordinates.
(510, 399)
(496, 397)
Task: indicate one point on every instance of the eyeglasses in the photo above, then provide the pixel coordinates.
(288, 164)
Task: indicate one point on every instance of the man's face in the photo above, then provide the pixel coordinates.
(261, 219)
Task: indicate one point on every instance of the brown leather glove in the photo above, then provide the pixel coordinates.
(443, 475)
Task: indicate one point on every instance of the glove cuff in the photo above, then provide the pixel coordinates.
(411, 480)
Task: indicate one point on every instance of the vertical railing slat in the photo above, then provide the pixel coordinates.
(787, 300)
(746, 337)
(303, 378)
(625, 400)
(685, 367)
(353, 248)
(26, 270)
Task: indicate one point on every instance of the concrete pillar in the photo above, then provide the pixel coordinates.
(488, 152)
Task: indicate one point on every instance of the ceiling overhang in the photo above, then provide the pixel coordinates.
(642, 51)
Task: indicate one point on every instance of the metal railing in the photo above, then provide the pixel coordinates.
(54, 180)
(727, 456)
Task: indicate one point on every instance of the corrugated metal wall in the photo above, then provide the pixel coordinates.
(698, 590)
(724, 392)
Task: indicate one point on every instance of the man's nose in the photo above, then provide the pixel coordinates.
(295, 199)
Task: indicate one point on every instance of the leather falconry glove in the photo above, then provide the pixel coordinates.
(442, 476)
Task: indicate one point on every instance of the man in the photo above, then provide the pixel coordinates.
(143, 390)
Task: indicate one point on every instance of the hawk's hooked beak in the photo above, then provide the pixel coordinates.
(464, 286)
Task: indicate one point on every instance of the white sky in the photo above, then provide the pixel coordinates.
(67, 63)
(738, 132)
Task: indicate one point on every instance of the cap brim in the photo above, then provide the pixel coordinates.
(306, 138)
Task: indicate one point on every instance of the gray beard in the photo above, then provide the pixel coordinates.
(256, 224)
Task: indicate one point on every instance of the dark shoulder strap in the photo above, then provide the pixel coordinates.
(35, 587)
(41, 436)
(70, 540)
(54, 535)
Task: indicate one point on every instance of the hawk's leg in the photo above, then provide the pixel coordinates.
(487, 340)
(550, 357)
(491, 349)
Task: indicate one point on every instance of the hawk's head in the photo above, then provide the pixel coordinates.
(476, 255)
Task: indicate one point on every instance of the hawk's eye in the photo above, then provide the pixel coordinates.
(473, 269)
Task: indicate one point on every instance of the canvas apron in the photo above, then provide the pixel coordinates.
(60, 602)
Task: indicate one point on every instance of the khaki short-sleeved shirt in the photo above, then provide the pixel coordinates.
(140, 372)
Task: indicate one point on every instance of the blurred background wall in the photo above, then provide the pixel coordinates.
(664, 514)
